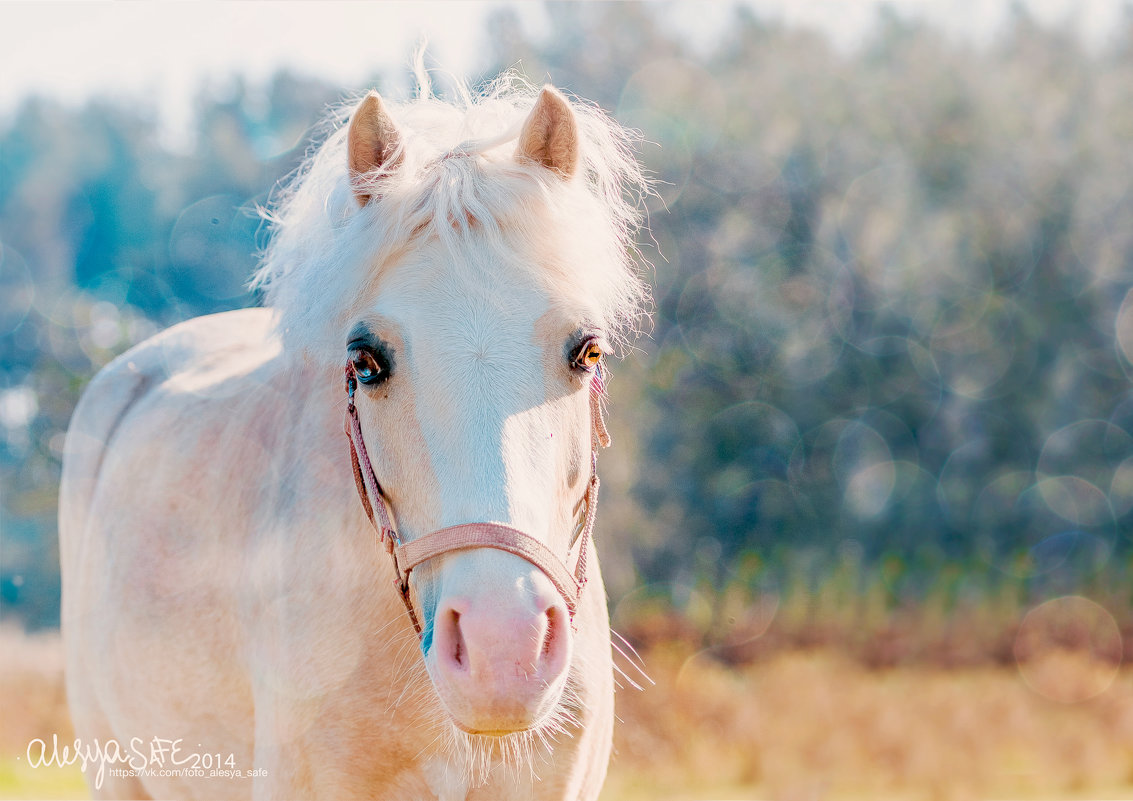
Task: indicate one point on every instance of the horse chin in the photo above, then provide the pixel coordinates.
(496, 733)
(485, 718)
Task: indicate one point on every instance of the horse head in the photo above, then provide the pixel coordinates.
(494, 279)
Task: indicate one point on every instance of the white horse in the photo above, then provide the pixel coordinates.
(233, 623)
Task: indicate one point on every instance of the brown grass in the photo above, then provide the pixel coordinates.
(816, 724)
(33, 704)
(32, 697)
(795, 722)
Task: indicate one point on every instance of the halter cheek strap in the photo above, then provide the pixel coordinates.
(409, 555)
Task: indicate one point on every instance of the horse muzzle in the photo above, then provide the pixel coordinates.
(498, 659)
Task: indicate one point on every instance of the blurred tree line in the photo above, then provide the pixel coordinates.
(893, 323)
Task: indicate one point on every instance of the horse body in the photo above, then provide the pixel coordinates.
(223, 587)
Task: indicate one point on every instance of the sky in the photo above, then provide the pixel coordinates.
(73, 50)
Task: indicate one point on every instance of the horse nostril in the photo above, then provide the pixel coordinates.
(458, 640)
(551, 632)
(555, 654)
(449, 639)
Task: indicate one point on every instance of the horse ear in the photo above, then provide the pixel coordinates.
(550, 134)
(373, 142)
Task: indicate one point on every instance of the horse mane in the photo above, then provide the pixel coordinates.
(455, 171)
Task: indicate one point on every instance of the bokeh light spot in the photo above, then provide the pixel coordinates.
(1076, 500)
(1068, 649)
(1123, 326)
(869, 489)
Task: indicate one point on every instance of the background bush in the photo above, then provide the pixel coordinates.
(893, 326)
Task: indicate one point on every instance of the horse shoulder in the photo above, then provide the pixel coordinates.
(103, 413)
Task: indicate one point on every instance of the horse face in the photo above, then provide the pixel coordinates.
(474, 402)
(477, 410)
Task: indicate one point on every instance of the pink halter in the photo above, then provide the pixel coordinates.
(407, 556)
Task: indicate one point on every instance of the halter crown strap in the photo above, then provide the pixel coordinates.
(499, 536)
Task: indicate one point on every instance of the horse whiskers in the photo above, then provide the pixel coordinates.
(516, 754)
(416, 679)
(428, 745)
(382, 628)
(629, 681)
(413, 684)
(634, 661)
(406, 653)
(628, 645)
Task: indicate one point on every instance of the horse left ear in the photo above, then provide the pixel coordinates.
(550, 134)
(373, 142)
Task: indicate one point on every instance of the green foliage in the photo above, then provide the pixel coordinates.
(887, 288)
(893, 309)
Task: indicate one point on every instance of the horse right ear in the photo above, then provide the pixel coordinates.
(373, 143)
(550, 134)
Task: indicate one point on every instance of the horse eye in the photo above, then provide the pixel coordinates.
(588, 355)
(369, 367)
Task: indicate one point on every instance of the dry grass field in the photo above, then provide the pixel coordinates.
(33, 704)
(816, 725)
(794, 716)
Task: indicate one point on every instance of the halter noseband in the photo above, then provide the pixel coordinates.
(407, 556)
